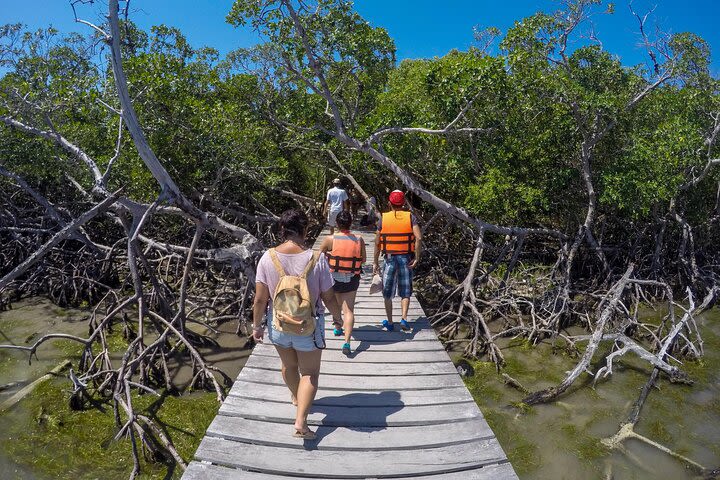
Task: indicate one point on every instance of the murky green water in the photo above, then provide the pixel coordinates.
(43, 439)
(556, 441)
(562, 440)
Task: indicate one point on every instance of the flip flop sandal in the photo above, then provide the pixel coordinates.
(306, 435)
(338, 332)
(346, 348)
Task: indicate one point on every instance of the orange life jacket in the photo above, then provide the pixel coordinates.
(346, 254)
(396, 233)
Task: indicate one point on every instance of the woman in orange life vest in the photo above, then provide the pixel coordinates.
(398, 237)
(345, 252)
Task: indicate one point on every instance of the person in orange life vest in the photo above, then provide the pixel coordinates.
(399, 238)
(345, 252)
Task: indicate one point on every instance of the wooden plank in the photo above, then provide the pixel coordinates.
(361, 464)
(352, 382)
(373, 333)
(349, 439)
(417, 322)
(373, 324)
(393, 414)
(335, 343)
(379, 313)
(361, 369)
(374, 318)
(501, 471)
(377, 301)
(206, 471)
(280, 393)
(368, 356)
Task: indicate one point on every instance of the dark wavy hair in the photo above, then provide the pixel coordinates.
(344, 220)
(292, 222)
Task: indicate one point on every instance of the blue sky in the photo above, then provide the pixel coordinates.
(419, 27)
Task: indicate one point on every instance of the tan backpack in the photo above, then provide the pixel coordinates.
(293, 308)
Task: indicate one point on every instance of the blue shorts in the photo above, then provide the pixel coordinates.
(301, 343)
(397, 274)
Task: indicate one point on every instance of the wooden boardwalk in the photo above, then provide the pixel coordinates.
(397, 408)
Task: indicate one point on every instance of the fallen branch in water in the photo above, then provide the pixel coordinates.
(10, 402)
(514, 383)
(611, 300)
(626, 430)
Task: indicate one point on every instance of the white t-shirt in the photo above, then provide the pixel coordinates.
(335, 197)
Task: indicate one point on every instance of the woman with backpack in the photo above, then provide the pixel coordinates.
(345, 252)
(292, 283)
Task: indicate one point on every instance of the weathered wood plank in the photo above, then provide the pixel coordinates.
(361, 369)
(373, 333)
(502, 471)
(204, 471)
(280, 393)
(417, 322)
(359, 383)
(349, 439)
(208, 471)
(393, 414)
(335, 343)
(376, 319)
(376, 301)
(361, 464)
(368, 356)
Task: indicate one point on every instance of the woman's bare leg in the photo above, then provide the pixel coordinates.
(309, 363)
(347, 302)
(338, 299)
(290, 373)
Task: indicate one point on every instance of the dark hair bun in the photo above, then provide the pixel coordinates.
(344, 220)
(293, 222)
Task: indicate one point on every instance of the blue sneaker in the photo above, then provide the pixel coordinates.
(388, 325)
(404, 325)
(338, 332)
(346, 349)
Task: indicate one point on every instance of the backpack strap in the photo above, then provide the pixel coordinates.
(276, 262)
(311, 264)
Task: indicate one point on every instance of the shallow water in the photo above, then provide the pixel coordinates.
(556, 441)
(31, 318)
(562, 440)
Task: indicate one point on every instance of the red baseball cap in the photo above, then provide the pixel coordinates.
(397, 198)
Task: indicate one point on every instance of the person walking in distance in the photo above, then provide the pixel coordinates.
(345, 252)
(336, 201)
(399, 239)
(290, 283)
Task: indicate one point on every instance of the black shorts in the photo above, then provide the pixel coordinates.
(345, 287)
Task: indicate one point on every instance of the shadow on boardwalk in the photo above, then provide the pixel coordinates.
(386, 338)
(370, 414)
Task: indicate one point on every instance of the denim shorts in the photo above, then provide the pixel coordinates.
(397, 274)
(301, 343)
